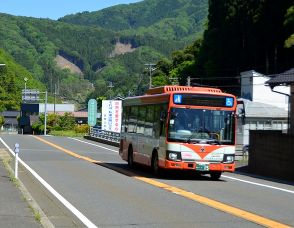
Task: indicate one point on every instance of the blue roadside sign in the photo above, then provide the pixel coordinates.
(92, 112)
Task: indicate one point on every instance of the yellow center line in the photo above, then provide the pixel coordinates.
(189, 195)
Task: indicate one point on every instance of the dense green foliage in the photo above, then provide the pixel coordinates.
(56, 122)
(241, 36)
(158, 28)
(164, 19)
(12, 82)
(2, 121)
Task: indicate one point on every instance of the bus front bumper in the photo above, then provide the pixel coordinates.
(223, 167)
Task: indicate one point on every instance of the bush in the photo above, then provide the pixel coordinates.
(38, 127)
(67, 121)
(83, 128)
(56, 128)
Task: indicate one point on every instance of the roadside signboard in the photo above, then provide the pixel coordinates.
(92, 112)
(111, 115)
(30, 95)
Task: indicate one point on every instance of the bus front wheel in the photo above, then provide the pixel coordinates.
(130, 158)
(154, 164)
(215, 175)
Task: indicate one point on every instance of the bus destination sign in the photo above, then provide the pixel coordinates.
(203, 100)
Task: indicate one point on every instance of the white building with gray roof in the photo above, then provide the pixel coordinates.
(263, 108)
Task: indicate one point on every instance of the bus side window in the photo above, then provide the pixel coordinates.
(133, 119)
(156, 121)
(148, 131)
(141, 119)
(125, 122)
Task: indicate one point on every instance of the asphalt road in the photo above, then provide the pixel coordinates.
(96, 182)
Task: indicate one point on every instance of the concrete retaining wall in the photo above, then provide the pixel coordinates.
(271, 154)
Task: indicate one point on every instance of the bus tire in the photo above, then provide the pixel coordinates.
(154, 164)
(130, 157)
(215, 175)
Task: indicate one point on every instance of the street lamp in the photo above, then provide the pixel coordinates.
(150, 67)
(45, 120)
(45, 112)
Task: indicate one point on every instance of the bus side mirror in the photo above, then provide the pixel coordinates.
(162, 116)
(241, 111)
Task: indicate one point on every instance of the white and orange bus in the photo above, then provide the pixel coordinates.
(180, 127)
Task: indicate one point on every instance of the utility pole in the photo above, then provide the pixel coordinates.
(189, 81)
(150, 67)
(54, 97)
(45, 120)
(110, 86)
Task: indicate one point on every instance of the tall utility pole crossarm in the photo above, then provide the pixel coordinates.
(150, 67)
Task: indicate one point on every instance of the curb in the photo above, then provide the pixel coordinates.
(44, 221)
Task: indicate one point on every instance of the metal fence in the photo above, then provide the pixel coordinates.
(104, 135)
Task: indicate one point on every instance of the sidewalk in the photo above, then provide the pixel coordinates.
(14, 210)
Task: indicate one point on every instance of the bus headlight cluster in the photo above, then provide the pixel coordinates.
(173, 155)
(229, 158)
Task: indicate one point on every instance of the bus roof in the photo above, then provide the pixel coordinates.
(171, 89)
(162, 94)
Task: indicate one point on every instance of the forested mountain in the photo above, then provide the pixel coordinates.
(241, 35)
(105, 53)
(12, 82)
(165, 19)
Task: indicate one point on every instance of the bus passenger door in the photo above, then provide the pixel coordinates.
(160, 114)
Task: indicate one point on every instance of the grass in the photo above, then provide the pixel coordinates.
(36, 213)
(16, 183)
(10, 174)
(69, 133)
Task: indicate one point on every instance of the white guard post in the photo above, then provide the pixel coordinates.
(16, 151)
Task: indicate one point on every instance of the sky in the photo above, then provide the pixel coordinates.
(55, 9)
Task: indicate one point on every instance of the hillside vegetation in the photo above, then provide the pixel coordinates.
(107, 52)
(168, 19)
(12, 82)
(241, 36)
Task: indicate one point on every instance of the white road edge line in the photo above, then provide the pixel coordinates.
(262, 185)
(92, 144)
(67, 204)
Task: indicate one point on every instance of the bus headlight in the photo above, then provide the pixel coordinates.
(229, 158)
(173, 155)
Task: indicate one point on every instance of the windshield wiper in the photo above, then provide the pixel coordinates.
(203, 141)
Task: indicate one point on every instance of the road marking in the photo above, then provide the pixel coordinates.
(92, 144)
(224, 176)
(67, 204)
(262, 185)
(189, 195)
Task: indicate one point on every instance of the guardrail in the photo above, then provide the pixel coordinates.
(104, 135)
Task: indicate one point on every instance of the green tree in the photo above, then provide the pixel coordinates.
(243, 35)
(289, 24)
(67, 121)
(2, 121)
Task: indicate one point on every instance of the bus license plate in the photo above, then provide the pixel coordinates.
(202, 166)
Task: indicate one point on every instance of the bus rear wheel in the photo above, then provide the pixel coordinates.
(215, 175)
(130, 158)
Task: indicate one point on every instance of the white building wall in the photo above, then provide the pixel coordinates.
(253, 88)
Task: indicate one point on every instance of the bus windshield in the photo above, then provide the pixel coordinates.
(201, 126)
